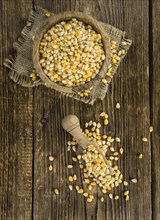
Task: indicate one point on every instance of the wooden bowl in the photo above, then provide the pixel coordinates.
(49, 23)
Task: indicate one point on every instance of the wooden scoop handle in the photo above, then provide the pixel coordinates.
(71, 124)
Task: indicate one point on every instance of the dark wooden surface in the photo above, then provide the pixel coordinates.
(30, 121)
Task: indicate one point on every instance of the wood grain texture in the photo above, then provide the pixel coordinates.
(31, 122)
(130, 87)
(16, 122)
(155, 106)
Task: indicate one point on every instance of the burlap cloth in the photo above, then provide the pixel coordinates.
(21, 66)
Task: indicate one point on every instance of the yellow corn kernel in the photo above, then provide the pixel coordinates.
(70, 187)
(102, 199)
(50, 168)
(56, 191)
(85, 194)
(144, 139)
(80, 191)
(150, 128)
(70, 178)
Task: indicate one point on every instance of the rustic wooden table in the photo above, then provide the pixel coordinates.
(31, 121)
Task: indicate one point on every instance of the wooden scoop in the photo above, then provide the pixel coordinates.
(72, 125)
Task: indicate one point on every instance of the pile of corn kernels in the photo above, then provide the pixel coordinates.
(94, 170)
(71, 53)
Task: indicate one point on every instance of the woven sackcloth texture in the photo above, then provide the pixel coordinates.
(21, 65)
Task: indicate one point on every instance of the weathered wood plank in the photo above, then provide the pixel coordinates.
(155, 106)
(16, 122)
(130, 88)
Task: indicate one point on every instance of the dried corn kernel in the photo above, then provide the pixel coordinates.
(70, 178)
(117, 139)
(125, 183)
(140, 156)
(151, 129)
(126, 193)
(80, 191)
(102, 114)
(77, 187)
(85, 194)
(134, 180)
(121, 150)
(144, 139)
(74, 159)
(118, 106)
(116, 197)
(104, 81)
(47, 14)
(123, 43)
(89, 200)
(70, 166)
(106, 121)
(51, 158)
(74, 177)
(102, 199)
(56, 191)
(70, 187)
(29, 24)
(50, 168)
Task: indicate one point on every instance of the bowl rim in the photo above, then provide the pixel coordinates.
(55, 19)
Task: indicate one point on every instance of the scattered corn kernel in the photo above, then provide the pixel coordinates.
(134, 180)
(69, 148)
(74, 159)
(117, 139)
(74, 148)
(144, 139)
(116, 197)
(104, 81)
(29, 24)
(80, 191)
(151, 129)
(70, 178)
(70, 187)
(89, 200)
(85, 194)
(140, 156)
(90, 187)
(77, 187)
(127, 198)
(70, 166)
(102, 199)
(126, 193)
(125, 183)
(106, 121)
(79, 157)
(121, 150)
(51, 158)
(123, 43)
(56, 191)
(110, 196)
(102, 114)
(47, 14)
(50, 168)
(74, 177)
(118, 106)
